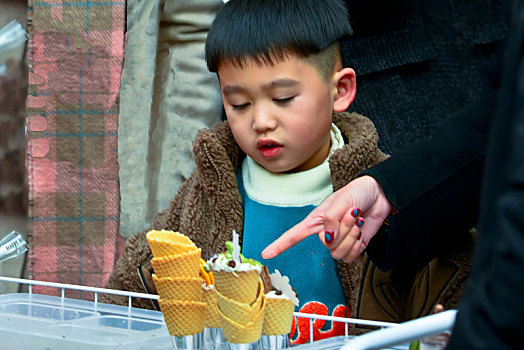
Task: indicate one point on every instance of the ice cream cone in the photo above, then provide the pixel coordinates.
(184, 264)
(239, 286)
(183, 317)
(243, 333)
(163, 243)
(240, 312)
(179, 288)
(210, 299)
(278, 316)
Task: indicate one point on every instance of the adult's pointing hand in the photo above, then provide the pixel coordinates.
(339, 221)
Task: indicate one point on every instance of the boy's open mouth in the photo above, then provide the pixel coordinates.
(269, 148)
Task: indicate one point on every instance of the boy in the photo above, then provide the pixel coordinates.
(286, 145)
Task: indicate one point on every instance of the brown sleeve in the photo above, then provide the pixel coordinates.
(126, 274)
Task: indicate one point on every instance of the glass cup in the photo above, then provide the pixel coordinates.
(275, 342)
(12, 246)
(188, 342)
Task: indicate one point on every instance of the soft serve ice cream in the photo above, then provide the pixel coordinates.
(240, 294)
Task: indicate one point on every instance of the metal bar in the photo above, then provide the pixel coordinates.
(346, 320)
(77, 287)
(62, 302)
(129, 306)
(405, 332)
(311, 330)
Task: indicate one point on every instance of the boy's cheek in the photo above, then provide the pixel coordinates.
(238, 135)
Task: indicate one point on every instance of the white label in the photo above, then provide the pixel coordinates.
(11, 246)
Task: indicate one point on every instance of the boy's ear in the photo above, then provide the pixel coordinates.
(346, 88)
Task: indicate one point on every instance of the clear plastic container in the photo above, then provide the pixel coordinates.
(32, 321)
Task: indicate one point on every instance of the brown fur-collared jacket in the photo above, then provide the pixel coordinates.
(208, 206)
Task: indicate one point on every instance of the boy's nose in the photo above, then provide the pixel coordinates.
(263, 119)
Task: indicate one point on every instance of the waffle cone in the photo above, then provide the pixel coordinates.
(178, 265)
(241, 286)
(183, 317)
(243, 333)
(164, 243)
(278, 316)
(210, 299)
(240, 312)
(179, 288)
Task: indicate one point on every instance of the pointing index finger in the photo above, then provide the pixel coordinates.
(293, 236)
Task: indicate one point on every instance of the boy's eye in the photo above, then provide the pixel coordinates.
(284, 100)
(239, 107)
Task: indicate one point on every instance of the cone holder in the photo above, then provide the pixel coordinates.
(274, 342)
(251, 346)
(189, 342)
(214, 339)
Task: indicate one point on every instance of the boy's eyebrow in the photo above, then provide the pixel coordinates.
(279, 83)
(284, 82)
(232, 89)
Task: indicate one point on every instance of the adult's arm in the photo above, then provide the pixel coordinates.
(435, 187)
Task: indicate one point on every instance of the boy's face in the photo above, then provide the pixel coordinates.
(280, 114)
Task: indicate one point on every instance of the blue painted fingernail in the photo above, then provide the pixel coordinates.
(360, 222)
(355, 212)
(359, 235)
(329, 235)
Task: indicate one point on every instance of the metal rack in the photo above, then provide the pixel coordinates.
(389, 335)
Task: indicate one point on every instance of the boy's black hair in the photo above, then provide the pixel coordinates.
(265, 30)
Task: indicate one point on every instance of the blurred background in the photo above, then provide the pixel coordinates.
(13, 9)
(13, 183)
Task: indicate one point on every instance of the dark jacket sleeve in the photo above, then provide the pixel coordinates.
(435, 187)
(491, 315)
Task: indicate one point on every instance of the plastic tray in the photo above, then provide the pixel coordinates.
(32, 321)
